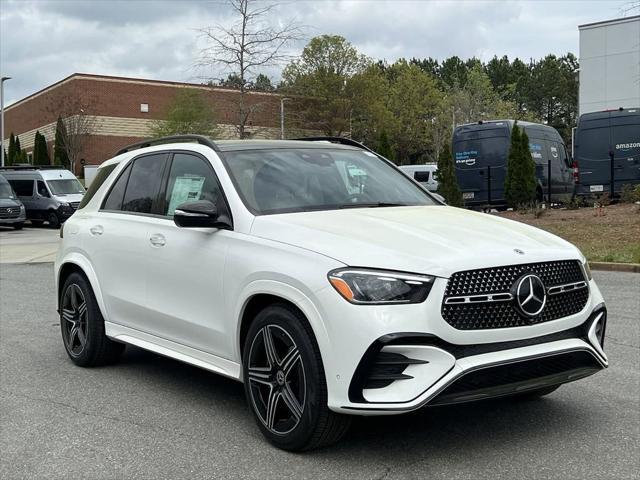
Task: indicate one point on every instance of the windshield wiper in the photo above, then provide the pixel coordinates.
(373, 205)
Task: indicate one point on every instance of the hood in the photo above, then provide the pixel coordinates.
(70, 197)
(436, 240)
(10, 202)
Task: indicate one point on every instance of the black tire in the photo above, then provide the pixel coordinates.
(18, 226)
(537, 393)
(53, 219)
(314, 425)
(96, 349)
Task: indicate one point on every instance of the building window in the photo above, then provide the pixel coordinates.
(144, 107)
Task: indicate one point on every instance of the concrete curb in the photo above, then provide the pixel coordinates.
(615, 267)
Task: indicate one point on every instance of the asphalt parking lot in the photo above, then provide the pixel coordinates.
(152, 417)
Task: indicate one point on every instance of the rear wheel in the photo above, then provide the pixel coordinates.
(82, 325)
(285, 384)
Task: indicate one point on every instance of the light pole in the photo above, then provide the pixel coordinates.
(282, 100)
(2, 118)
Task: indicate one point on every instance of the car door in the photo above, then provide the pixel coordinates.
(117, 239)
(185, 269)
(24, 189)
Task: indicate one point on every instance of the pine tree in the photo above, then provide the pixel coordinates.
(447, 181)
(520, 181)
(11, 154)
(19, 157)
(40, 150)
(60, 156)
(384, 146)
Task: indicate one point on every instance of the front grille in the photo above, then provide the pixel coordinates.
(74, 205)
(489, 300)
(518, 377)
(9, 212)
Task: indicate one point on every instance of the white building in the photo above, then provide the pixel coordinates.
(609, 65)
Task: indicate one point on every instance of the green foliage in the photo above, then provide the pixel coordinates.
(630, 194)
(40, 150)
(190, 112)
(60, 155)
(447, 181)
(263, 83)
(520, 181)
(383, 147)
(11, 154)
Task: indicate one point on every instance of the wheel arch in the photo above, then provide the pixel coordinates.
(261, 294)
(78, 263)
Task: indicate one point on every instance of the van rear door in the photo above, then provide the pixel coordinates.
(480, 155)
(625, 145)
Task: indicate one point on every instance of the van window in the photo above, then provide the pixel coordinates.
(101, 176)
(421, 176)
(42, 189)
(481, 148)
(144, 184)
(115, 196)
(23, 188)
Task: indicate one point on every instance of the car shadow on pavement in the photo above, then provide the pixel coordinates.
(480, 425)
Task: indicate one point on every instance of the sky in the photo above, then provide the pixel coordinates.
(44, 41)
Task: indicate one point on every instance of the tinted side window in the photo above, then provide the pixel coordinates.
(190, 179)
(23, 188)
(421, 176)
(115, 196)
(42, 189)
(98, 180)
(144, 184)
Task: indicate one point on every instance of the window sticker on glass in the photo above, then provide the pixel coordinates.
(185, 189)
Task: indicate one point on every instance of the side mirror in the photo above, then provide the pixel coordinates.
(201, 214)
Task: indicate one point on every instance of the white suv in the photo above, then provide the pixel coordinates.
(322, 277)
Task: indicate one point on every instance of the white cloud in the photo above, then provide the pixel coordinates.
(43, 42)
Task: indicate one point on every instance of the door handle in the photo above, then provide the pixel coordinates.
(96, 230)
(157, 240)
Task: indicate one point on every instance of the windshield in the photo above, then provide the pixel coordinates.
(6, 191)
(65, 187)
(298, 180)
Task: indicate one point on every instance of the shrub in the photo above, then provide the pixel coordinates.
(630, 194)
(447, 181)
(520, 181)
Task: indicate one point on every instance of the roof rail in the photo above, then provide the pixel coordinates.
(340, 140)
(33, 167)
(201, 139)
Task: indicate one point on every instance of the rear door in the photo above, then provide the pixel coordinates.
(480, 154)
(592, 148)
(24, 189)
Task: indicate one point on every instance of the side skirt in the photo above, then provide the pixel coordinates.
(173, 350)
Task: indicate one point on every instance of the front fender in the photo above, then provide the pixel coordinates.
(291, 294)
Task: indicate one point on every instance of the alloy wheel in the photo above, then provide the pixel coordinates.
(74, 320)
(276, 377)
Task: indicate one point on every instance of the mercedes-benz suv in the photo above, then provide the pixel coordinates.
(321, 277)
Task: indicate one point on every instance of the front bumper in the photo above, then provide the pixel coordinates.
(21, 218)
(443, 360)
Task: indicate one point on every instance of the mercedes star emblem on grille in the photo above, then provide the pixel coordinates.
(518, 251)
(530, 295)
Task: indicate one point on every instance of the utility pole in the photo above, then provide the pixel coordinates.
(4, 79)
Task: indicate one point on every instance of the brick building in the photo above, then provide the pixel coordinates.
(124, 109)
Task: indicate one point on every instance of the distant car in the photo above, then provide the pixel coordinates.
(480, 152)
(607, 144)
(324, 279)
(12, 212)
(425, 175)
(49, 194)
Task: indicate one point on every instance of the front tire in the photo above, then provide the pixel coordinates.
(82, 325)
(18, 226)
(284, 382)
(54, 220)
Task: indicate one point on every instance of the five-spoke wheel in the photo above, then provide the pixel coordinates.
(285, 383)
(74, 320)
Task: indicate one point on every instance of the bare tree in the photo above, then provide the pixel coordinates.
(245, 47)
(77, 126)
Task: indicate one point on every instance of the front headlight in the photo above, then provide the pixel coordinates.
(374, 287)
(64, 204)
